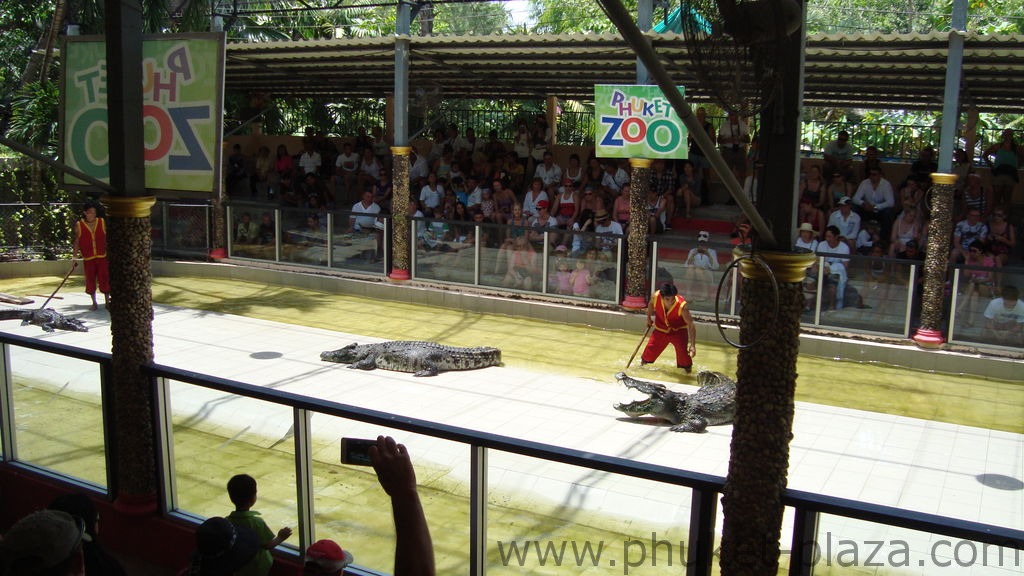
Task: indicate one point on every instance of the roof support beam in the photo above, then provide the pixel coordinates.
(954, 71)
(403, 25)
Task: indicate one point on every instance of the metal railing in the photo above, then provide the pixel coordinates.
(706, 490)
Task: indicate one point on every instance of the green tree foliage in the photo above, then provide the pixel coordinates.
(568, 16)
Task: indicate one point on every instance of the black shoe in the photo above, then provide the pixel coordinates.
(688, 369)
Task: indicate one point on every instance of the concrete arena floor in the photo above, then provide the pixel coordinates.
(889, 459)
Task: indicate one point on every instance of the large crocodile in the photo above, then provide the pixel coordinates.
(713, 404)
(421, 358)
(48, 319)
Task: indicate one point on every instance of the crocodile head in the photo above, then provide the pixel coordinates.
(348, 355)
(660, 401)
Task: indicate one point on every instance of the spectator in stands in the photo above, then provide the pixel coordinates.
(222, 548)
(494, 147)
(657, 213)
(689, 189)
(621, 208)
(593, 174)
(813, 188)
(875, 200)
(383, 189)
(605, 225)
(548, 171)
(504, 201)
(906, 228)
(809, 213)
(521, 144)
(312, 187)
(1001, 236)
(1005, 159)
(533, 196)
(733, 139)
(871, 161)
(838, 156)
(541, 222)
(835, 252)
(237, 178)
(326, 558)
(925, 165)
(701, 263)
(567, 203)
(967, 231)
(346, 173)
(869, 236)
(364, 213)
(247, 232)
(98, 562)
(380, 145)
(837, 188)
(369, 169)
(614, 177)
(264, 174)
(575, 171)
(806, 238)
(419, 168)
(267, 229)
(1004, 318)
(522, 264)
(977, 197)
(912, 193)
(846, 220)
(978, 280)
(431, 196)
(310, 160)
(284, 165)
(44, 543)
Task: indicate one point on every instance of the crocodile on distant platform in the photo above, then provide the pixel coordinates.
(713, 404)
(419, 357)
(48, 319)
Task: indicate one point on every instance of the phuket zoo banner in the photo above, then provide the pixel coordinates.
(637, 122)
(183, 80)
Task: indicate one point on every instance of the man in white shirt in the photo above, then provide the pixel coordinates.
(310, 160)
(476, 194)
(733, 138)
(838, 155)
(846, 220)
(875, 200)
(364, 213)
(614, 177)
(548, 171)
(346, 171)
(1004, 318)
(835, 265)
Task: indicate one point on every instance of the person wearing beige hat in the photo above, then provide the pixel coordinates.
(807, 237)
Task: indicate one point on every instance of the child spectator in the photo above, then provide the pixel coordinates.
(242, 490)
(580, 279)
(326, 558)
(222, 548)
(1004, 318)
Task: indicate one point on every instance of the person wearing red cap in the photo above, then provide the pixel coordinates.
(326, 558)
(668, 315)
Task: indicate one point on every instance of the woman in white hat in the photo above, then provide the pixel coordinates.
(807, 237)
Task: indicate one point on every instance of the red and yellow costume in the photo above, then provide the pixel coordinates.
(670, 327)
(92, 243)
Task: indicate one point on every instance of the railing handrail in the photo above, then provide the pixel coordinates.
(799, 499)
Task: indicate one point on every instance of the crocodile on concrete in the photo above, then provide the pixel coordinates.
(420, 358)
(48, 319)
(713, 404)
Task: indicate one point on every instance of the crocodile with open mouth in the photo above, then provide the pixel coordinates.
(419, 357)
(713, 404)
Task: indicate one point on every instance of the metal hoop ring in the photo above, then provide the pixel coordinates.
(718, 298)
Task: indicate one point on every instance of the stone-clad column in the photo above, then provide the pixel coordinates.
(129, 245)
(636, 263)
(936, 258)
(766, 382)
(400, 240)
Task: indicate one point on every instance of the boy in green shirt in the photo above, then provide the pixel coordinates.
(242, 490)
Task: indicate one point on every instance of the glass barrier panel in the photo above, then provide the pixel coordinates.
(511, 261)
(58, 414)
(358, 242)
(252, 231)
(186, 230)
(445, 250)
(218, 435)
(158, 225)
(989, 309)
(547, 517)
(696, 269)
(353, 509)
(860, 293)
(850, 546)
(304, 236)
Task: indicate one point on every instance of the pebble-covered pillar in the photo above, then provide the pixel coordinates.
(636, 263)
(131, 325)
(940, 228)
(400, 240)
(762, 428)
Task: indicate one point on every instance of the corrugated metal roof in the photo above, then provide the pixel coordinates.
(867, 71)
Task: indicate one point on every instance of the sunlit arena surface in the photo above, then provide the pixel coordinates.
(869, 430)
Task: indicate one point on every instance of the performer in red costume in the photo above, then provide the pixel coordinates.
(672, 323)
(91, 247)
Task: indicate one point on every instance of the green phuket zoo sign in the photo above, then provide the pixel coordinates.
(637, 122)
(182, 91)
